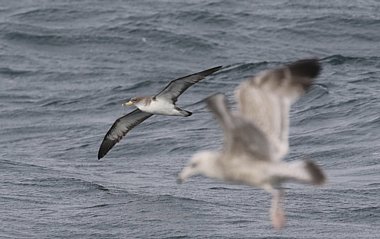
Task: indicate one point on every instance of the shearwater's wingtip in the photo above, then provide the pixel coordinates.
(218, 68)
(103, 149)
(100, 155)
(211, 70)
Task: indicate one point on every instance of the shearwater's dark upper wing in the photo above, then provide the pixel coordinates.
(176, 87)
(120, 128)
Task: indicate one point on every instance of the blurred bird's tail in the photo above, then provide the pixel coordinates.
(305, 171)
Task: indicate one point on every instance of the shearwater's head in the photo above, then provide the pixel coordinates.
(205, 163)
(136, 101)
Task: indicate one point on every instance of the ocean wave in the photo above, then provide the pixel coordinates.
(56, 39)
(203, 17)
(340, 59)
(66, 183)
(12, 72)
(55, 14)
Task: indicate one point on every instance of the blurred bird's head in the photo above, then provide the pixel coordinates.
(205, 163)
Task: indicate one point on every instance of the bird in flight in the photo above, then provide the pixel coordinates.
(256, 136)
(163, 103)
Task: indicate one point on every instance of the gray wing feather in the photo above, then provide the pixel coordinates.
(120, 128)
(176, 87)
(240, 135)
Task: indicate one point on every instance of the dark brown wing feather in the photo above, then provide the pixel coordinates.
(176, 87)
(120, 128)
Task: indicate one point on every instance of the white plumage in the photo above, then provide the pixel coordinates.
(160, 107)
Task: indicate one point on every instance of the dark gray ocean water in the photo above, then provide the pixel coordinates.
(66, 66)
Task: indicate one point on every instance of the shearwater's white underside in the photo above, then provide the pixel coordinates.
(159, 107)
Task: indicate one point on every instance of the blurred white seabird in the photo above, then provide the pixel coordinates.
(256, 136)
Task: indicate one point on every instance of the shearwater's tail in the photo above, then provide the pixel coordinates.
(184, 113)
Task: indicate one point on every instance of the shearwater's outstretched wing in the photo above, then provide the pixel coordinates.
(176, 87)
(240, 135)
(120, 128)
(266, 99)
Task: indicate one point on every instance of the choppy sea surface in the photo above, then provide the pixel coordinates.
(66, 66)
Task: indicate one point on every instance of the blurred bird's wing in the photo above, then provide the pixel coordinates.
(266, 100)
(240, 136)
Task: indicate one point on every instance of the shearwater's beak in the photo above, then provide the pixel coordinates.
(185, 174)
(129, 103)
